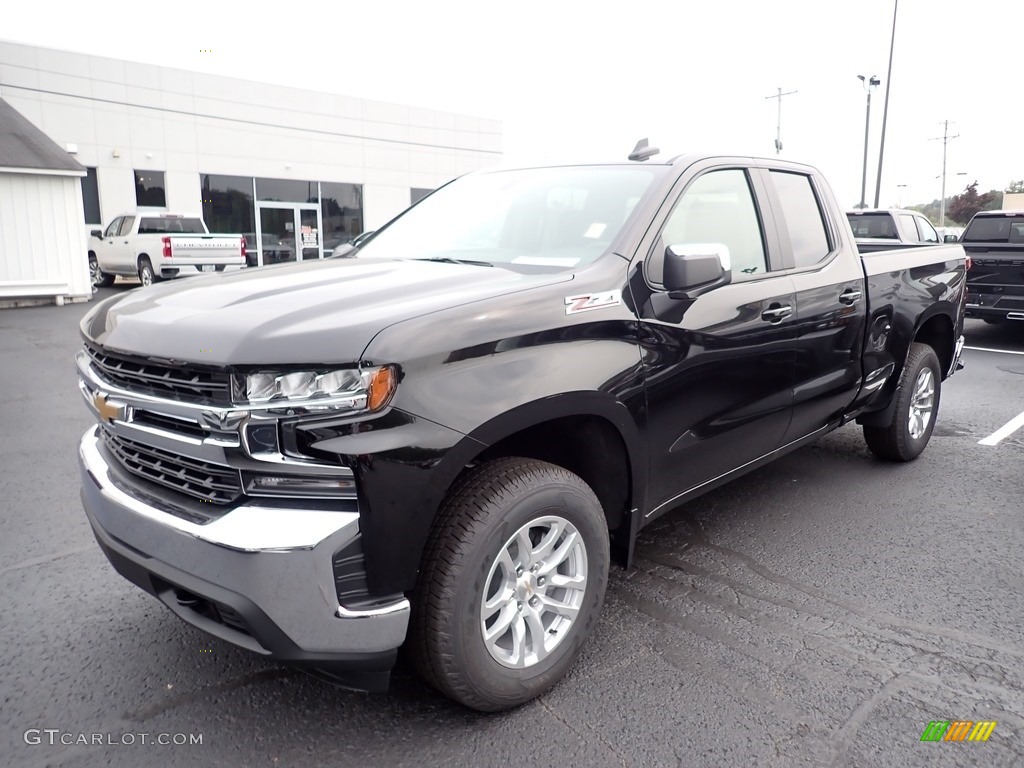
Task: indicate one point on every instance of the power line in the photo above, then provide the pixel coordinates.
(250, 122)
(778, 125)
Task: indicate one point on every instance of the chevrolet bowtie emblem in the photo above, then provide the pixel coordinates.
(108, 411)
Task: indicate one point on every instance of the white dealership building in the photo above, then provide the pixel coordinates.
(284, 166)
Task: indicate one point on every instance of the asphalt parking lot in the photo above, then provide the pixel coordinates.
(820, 611)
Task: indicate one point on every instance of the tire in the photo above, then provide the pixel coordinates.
(472, 554)
(146, 274)
(100, 279)
(901, 440)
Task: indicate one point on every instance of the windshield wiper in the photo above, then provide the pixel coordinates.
(450, 260)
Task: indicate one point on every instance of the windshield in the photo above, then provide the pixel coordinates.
(995, 229)
(170, 225)
(548, 217)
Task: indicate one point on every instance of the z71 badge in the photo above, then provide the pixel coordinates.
(588, 301)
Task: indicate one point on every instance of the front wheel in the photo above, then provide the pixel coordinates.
(917, 405)
(513, 580)
(99, 278)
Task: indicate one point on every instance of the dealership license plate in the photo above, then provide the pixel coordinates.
(207, 267)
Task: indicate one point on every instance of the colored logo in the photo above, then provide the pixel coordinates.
(958, 730)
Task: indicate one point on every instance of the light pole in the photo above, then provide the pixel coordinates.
(869, 85)
(885, 109)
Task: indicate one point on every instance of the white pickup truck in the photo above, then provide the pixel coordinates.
(157, 246)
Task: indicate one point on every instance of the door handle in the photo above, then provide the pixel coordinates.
(777, 312)
(849, 296)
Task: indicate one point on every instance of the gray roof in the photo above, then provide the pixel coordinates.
(22, 145)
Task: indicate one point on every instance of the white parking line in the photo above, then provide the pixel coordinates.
(1004, 431)
(987, 349)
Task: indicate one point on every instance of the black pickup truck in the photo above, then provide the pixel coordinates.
(994, 242)
(443, 441)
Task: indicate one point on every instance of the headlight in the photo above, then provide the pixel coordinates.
(366, 389)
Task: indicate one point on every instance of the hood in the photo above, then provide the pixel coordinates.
(306, 313)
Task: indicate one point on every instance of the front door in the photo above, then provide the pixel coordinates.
(288, 233)
(719, 367)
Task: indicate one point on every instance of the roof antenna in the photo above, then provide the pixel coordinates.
(641, 151)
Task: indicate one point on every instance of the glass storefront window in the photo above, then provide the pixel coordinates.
(341, 208)
(228, 208)
(286, 190)
(149, 189)
(418, 193)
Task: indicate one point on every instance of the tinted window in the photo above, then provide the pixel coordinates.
(228, 206)
(341, 209)
(126, 225)
(170, 225)
(807, 236)
(287, 190)
(149, 189)
(995, 229)
(536, 218)
(91, 197)
(716, 208)
(928, 233)
(910, 233)
(866, 225)
(112, 228)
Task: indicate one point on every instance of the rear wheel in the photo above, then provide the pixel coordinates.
(146, 274)
(917, 404)
(513, 580)
(99, 278)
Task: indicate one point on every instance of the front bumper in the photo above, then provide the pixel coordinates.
(260, 576)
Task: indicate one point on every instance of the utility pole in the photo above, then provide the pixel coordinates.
(778, 125)
(885, 110)
(945, 138)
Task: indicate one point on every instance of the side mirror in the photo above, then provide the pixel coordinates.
(949, 238)
(695, 268)
(97, 233)
(341, 251)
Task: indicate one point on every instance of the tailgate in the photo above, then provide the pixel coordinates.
(996, 278)
(193, 250)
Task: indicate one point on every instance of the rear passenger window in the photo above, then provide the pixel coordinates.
(126, 225)
(807, 235)
(910, 233)
(928, 233)
(717, 207)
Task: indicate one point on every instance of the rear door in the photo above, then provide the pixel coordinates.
(718, 367)
(828, 280)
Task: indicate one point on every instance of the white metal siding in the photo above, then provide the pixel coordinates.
(42, 245)
(124, 116)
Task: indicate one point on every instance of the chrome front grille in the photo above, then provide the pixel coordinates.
(202, 480)
(185, 383)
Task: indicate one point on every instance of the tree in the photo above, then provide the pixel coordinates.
(963, 206)
(1015, 187)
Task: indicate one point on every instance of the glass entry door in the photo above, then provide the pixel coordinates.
(288, 233)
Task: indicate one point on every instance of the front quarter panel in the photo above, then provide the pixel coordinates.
(485, 371)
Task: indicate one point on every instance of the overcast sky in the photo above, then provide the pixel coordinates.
(575, 79)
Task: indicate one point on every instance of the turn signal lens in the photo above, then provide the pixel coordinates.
(383, 384)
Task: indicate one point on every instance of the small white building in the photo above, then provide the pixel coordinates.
(42, 243)
(273, 163)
